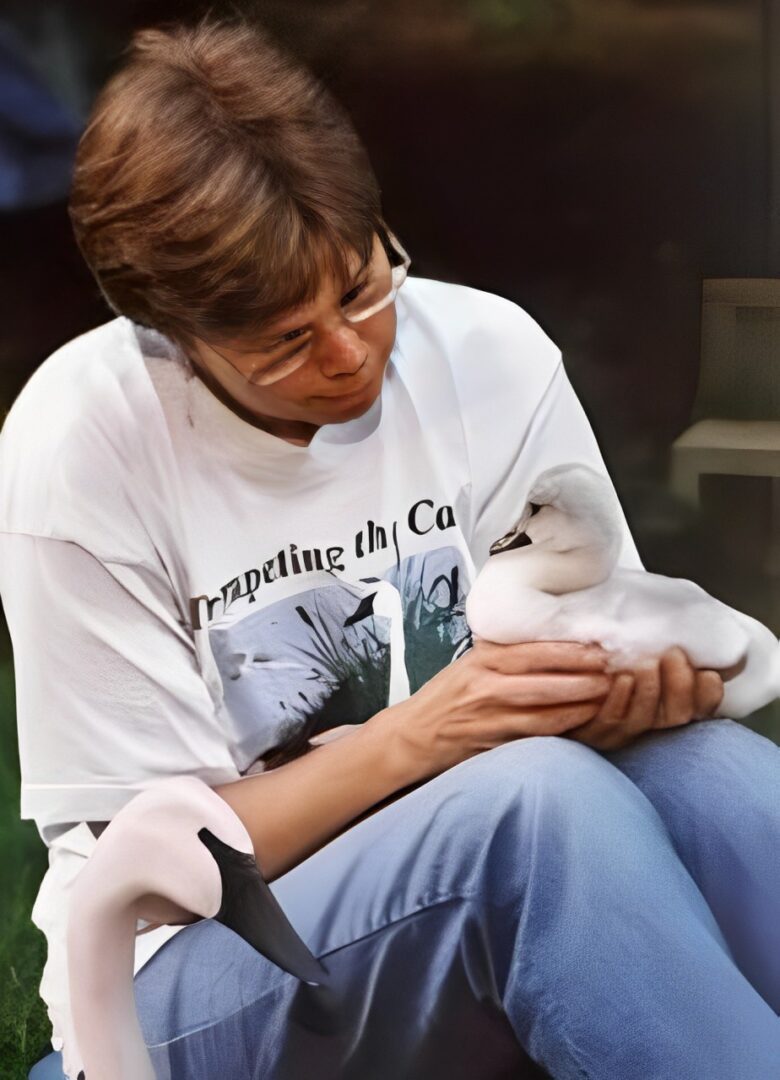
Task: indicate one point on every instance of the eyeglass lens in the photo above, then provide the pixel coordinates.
(375, 291)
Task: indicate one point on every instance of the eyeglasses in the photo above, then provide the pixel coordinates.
(375, 291)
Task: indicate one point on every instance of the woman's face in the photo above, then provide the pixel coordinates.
(309, 367)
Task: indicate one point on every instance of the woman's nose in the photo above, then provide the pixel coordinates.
(342, 352)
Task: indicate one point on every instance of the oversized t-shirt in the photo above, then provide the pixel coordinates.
(185, 590)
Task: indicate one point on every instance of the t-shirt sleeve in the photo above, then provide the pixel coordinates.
(109, 694)
(509, 453)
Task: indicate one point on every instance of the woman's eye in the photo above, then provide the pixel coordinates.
(354, 293)
(288, 336)
(292, 335)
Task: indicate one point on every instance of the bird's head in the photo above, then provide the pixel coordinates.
(569, 507)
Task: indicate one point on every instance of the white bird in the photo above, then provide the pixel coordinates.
(553, 577)
(175, 853)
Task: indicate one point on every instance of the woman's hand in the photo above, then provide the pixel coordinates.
(491, 695)
(660, 693)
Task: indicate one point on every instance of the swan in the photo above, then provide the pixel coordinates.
(554, 577)
(175, 853)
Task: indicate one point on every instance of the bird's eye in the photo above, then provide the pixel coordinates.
(535, 508)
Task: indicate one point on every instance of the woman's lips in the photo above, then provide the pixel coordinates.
(342, 397)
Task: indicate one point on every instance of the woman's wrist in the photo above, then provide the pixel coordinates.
(390, 726)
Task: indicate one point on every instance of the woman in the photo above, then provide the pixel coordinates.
(239, 522)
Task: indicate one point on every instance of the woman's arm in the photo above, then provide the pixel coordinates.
(322, 793)
(491, 694)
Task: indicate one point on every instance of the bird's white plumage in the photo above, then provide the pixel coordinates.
(563, 584)
(148, 862)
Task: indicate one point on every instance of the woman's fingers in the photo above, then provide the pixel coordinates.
(678, 686)
(538, 656)
(608, 729)
(612, 731)
(615, 706)
(660, 693)
(619, 698)
(647, 696)
(552, 720)
(552, 689)
(708, 694)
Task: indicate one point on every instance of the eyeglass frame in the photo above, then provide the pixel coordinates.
(398, 273)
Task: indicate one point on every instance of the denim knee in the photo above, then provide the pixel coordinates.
(548, 768)
(704, 767)
(542, 793)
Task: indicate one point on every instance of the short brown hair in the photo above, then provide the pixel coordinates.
(216, 180)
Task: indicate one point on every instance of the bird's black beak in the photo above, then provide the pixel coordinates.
(514, 539)
(510, 541)
(251, 910)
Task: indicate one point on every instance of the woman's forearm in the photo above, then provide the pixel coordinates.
(295, 809)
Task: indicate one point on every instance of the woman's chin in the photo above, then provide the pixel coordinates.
(350, 405)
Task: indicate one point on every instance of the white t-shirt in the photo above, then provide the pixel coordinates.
(184, 590)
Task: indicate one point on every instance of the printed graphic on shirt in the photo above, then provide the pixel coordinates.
(340, 652)
(424, 518)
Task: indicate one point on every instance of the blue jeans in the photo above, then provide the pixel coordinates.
(608, 916)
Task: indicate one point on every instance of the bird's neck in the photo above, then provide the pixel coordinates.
(552, 571)
(101, 959)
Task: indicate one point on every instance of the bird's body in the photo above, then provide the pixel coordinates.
(554, 577)
(175, 853)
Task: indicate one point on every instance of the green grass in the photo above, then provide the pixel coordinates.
(24, 1026)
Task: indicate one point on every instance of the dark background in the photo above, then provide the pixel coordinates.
(592, 160)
